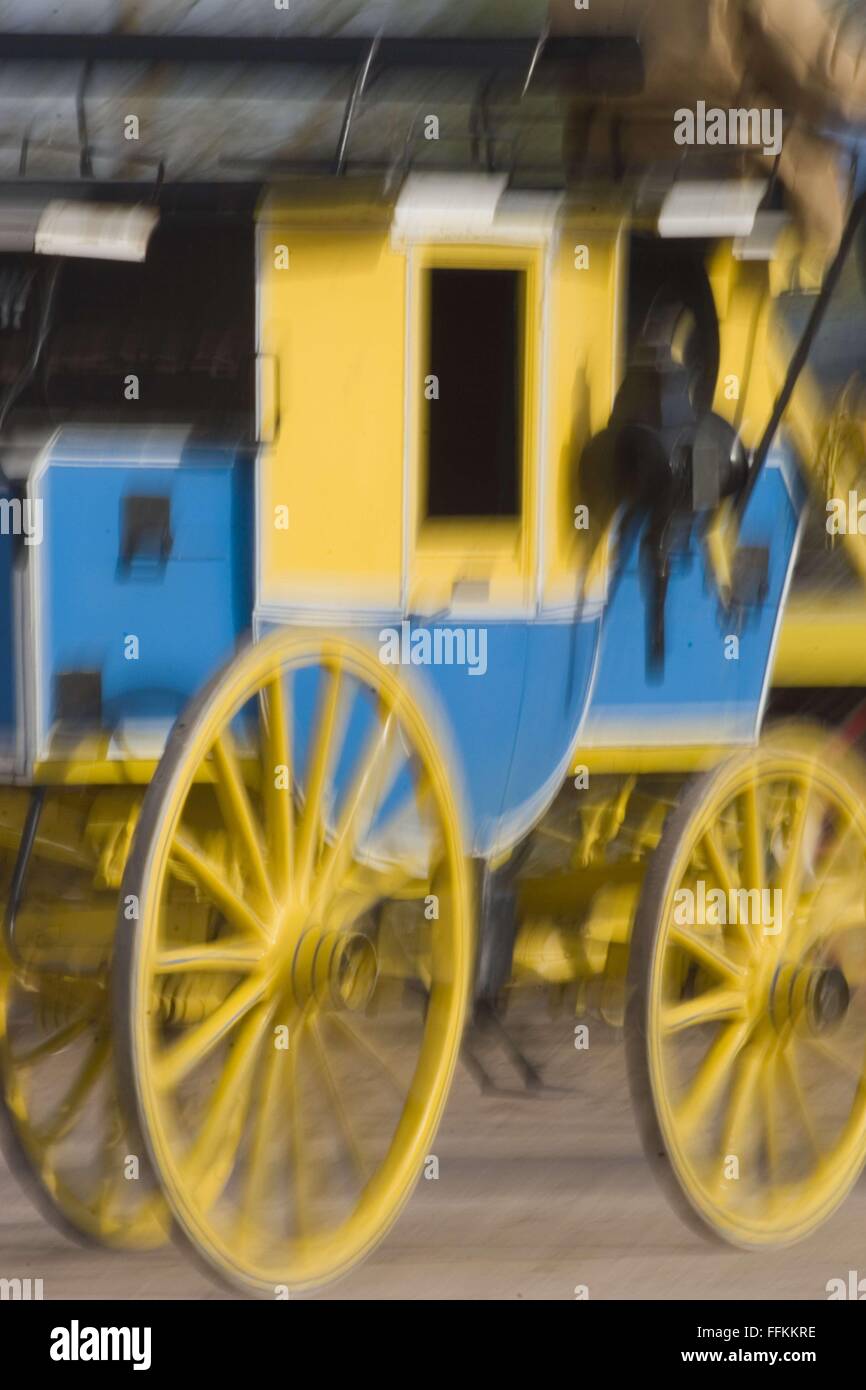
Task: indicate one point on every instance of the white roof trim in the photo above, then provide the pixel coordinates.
(471, 207)
(703, 208)
(436, 205)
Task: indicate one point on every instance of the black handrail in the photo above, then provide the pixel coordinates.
(801, 354)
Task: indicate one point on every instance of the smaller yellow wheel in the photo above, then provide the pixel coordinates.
(746, 1019)
(290, 1054)
(60, 1122)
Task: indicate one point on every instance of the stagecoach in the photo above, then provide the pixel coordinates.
(488, 625)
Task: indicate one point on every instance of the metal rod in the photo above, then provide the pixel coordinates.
(85, 163)
(352, 106)
(19, 874)
(539, 49)
(801, 355)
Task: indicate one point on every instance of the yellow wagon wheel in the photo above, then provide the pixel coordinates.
(60, 1121)
(289, 1065)
(746, 1020)
(61, 1125)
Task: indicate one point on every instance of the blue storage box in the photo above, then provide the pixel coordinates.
(142, 583)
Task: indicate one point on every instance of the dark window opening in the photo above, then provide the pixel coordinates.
(473, 429)
(182, 323)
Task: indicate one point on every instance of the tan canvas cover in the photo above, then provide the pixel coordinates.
(805, 56)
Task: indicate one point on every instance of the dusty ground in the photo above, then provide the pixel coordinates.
(535, 1196)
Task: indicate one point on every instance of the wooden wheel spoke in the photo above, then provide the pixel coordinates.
(842, 838)
(375, 772)
(771, 1127)
(418, 807)
(223, 1121)
(109, 1177)
(365, 887)
(754, 847)
(832, 1053)
(838, 906)
(728, 880)
(788, 1068)
(366, 1048)
(327, 740)
(706, 954)
(230, 956)
(711, 1078)
(793, 866)
(748, 1071)
(50, 1046)
(65, 1118)
(332, 1088)
(299, 1159)
(724, 871)
(104, 1200)
(238, 815)
(211, 882)
(278, 791)
(834, 928)
(714, 1006)
(180, 1058)
(263, 1125)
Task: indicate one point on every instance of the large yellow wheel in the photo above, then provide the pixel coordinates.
(60, 1122)
(289, 1096)
(746, 1020)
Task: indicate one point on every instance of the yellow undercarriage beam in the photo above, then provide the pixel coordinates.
(648, 759)
(577, 924)
(569, 895)
(104, 772)
(823, 643)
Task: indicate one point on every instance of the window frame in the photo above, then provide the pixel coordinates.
(444, 551)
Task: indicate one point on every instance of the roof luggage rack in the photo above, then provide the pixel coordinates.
(597, 68)
(612, 65)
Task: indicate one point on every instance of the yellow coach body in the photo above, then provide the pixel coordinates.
(343, 379)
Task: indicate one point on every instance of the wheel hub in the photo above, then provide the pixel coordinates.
(336, 969)
(813, 998)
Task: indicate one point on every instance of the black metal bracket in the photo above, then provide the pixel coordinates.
(482, 138)
(19, 875)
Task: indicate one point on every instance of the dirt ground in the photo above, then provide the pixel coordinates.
(535, 1197)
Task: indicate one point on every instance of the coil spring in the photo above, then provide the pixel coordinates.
(185, 999)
